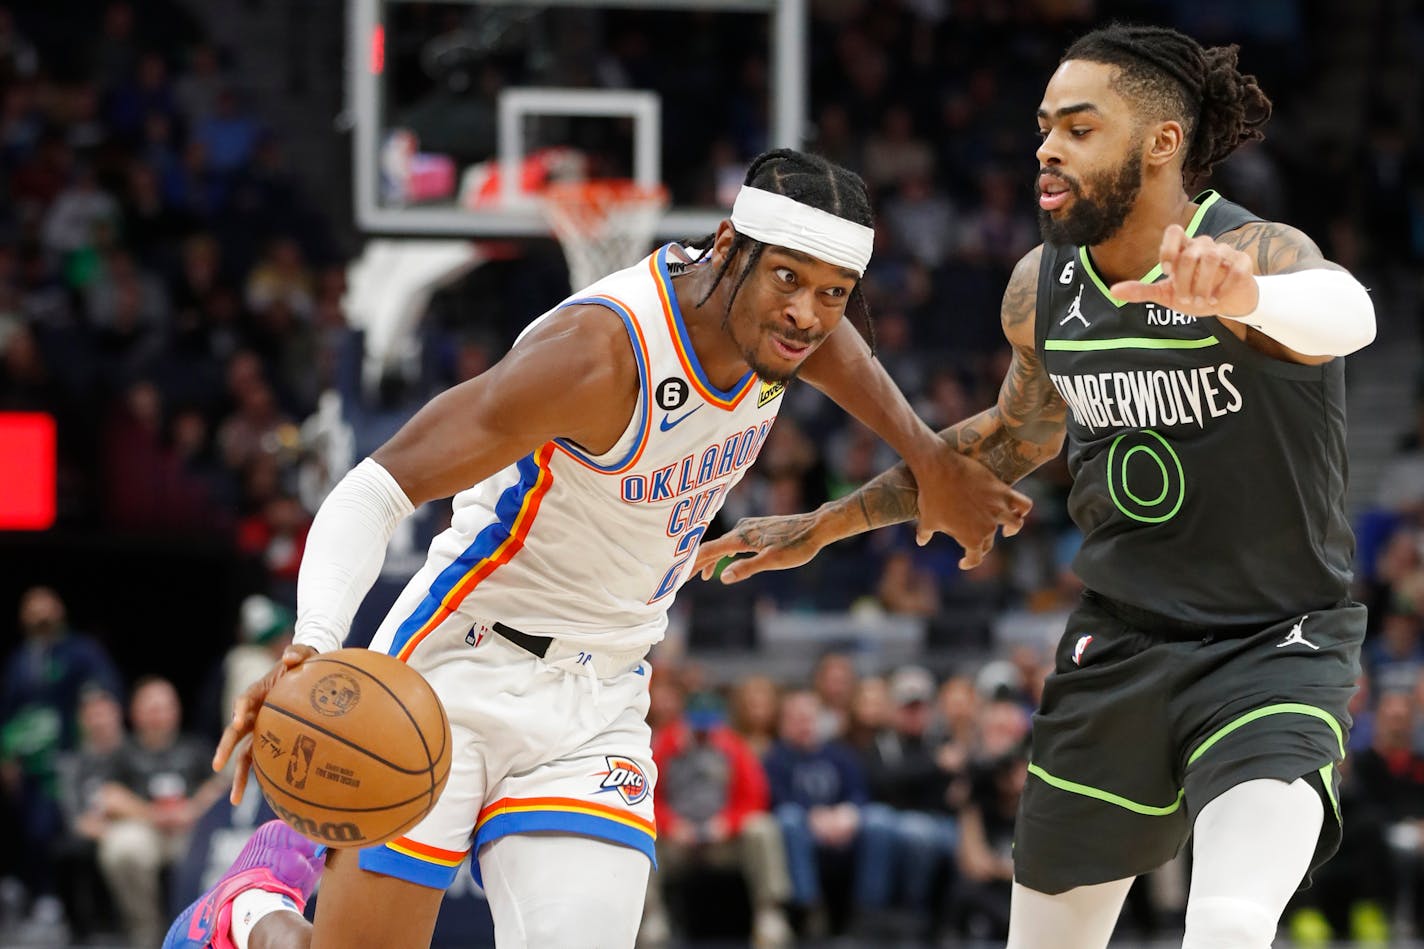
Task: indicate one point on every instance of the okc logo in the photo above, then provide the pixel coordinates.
(625, 777)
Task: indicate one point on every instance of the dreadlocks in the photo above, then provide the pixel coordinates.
(1175, 77)
(813, 181)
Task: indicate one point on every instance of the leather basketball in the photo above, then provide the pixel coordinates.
(351, 748)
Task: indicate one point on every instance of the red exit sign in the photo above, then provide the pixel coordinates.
(27, 471)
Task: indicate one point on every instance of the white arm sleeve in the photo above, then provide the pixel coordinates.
(1314, 312)
(345, 549)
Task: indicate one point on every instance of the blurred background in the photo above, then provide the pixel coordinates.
(241, 243)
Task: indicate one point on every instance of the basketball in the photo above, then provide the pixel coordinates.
(351, 748)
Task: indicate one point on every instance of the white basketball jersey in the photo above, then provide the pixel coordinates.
(565, 544)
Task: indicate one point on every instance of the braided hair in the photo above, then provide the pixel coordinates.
(814, 181)
(1175, 77)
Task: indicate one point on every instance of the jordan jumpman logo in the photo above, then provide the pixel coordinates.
(1297, 636)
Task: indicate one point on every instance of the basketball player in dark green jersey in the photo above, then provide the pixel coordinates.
(1189, 352)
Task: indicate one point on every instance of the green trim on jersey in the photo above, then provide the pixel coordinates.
(1111, 798)
(1211, 198)
(1125, 342)
(1283, 708)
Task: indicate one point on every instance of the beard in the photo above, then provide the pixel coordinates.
(1091, 221)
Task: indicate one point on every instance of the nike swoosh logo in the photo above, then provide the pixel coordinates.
(669, 423)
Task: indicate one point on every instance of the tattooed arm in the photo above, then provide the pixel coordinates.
(1022, 431)
(1276, 248)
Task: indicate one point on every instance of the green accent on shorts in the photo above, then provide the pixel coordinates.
(1283, 708)
(1327, 778)
(1111, 798)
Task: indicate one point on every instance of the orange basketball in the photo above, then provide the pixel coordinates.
(351, 748)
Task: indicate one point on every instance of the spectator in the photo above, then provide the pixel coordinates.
(834, 683)
(39, 719)
(281, 275)
(1390, 774)
(229, 136)
(82, 776)
(1396, 656)
(266, 629)
(198, 90)
(869, 713)
(905, 774)
(894, 153)
(906, 589)
(756, 704)
(76, 214)
(818, 793)
(276, 536)
(921, 219)
(986, 864)
(162, 784)
(711, 811)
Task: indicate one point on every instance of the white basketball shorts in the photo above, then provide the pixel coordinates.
(554, 744)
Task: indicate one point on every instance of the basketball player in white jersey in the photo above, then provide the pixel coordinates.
(586, 466)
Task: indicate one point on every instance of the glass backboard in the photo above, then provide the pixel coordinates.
(465, 108)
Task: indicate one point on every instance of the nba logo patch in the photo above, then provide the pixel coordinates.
(625, 777)
(1080, 648)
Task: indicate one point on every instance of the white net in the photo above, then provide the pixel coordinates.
(603, 225)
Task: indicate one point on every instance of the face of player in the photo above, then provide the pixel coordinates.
(788, 305)
(1090, 162)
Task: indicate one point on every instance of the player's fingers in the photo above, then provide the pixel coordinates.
(1185, 275)
(1235, 278)
(1173, 240)
(1213, 264)
(239, 776)
(923, 535)
(1213, 282)
(728, 545)
(225, 746)
(241, 724)
(739, 570)
(1135, 291)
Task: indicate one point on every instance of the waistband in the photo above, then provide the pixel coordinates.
(555, 651)
(1171, 628)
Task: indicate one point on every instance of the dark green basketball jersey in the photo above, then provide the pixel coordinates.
(1208, 478)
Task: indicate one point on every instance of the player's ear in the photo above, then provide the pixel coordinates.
(722, 245)
(1167, 139)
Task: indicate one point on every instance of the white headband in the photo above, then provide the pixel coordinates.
(786, 222)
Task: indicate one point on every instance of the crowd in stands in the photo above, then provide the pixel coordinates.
(170, 294)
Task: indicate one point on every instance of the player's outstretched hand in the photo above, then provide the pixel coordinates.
(244, 715)
(1200, 277)
(964, 499)
(777, 543)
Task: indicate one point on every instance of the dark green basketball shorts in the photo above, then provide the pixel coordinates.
(1144, 721)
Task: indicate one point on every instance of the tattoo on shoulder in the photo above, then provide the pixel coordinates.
(1277, 248)
(1021, 295)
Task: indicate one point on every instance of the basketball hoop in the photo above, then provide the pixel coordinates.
(603, 225)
